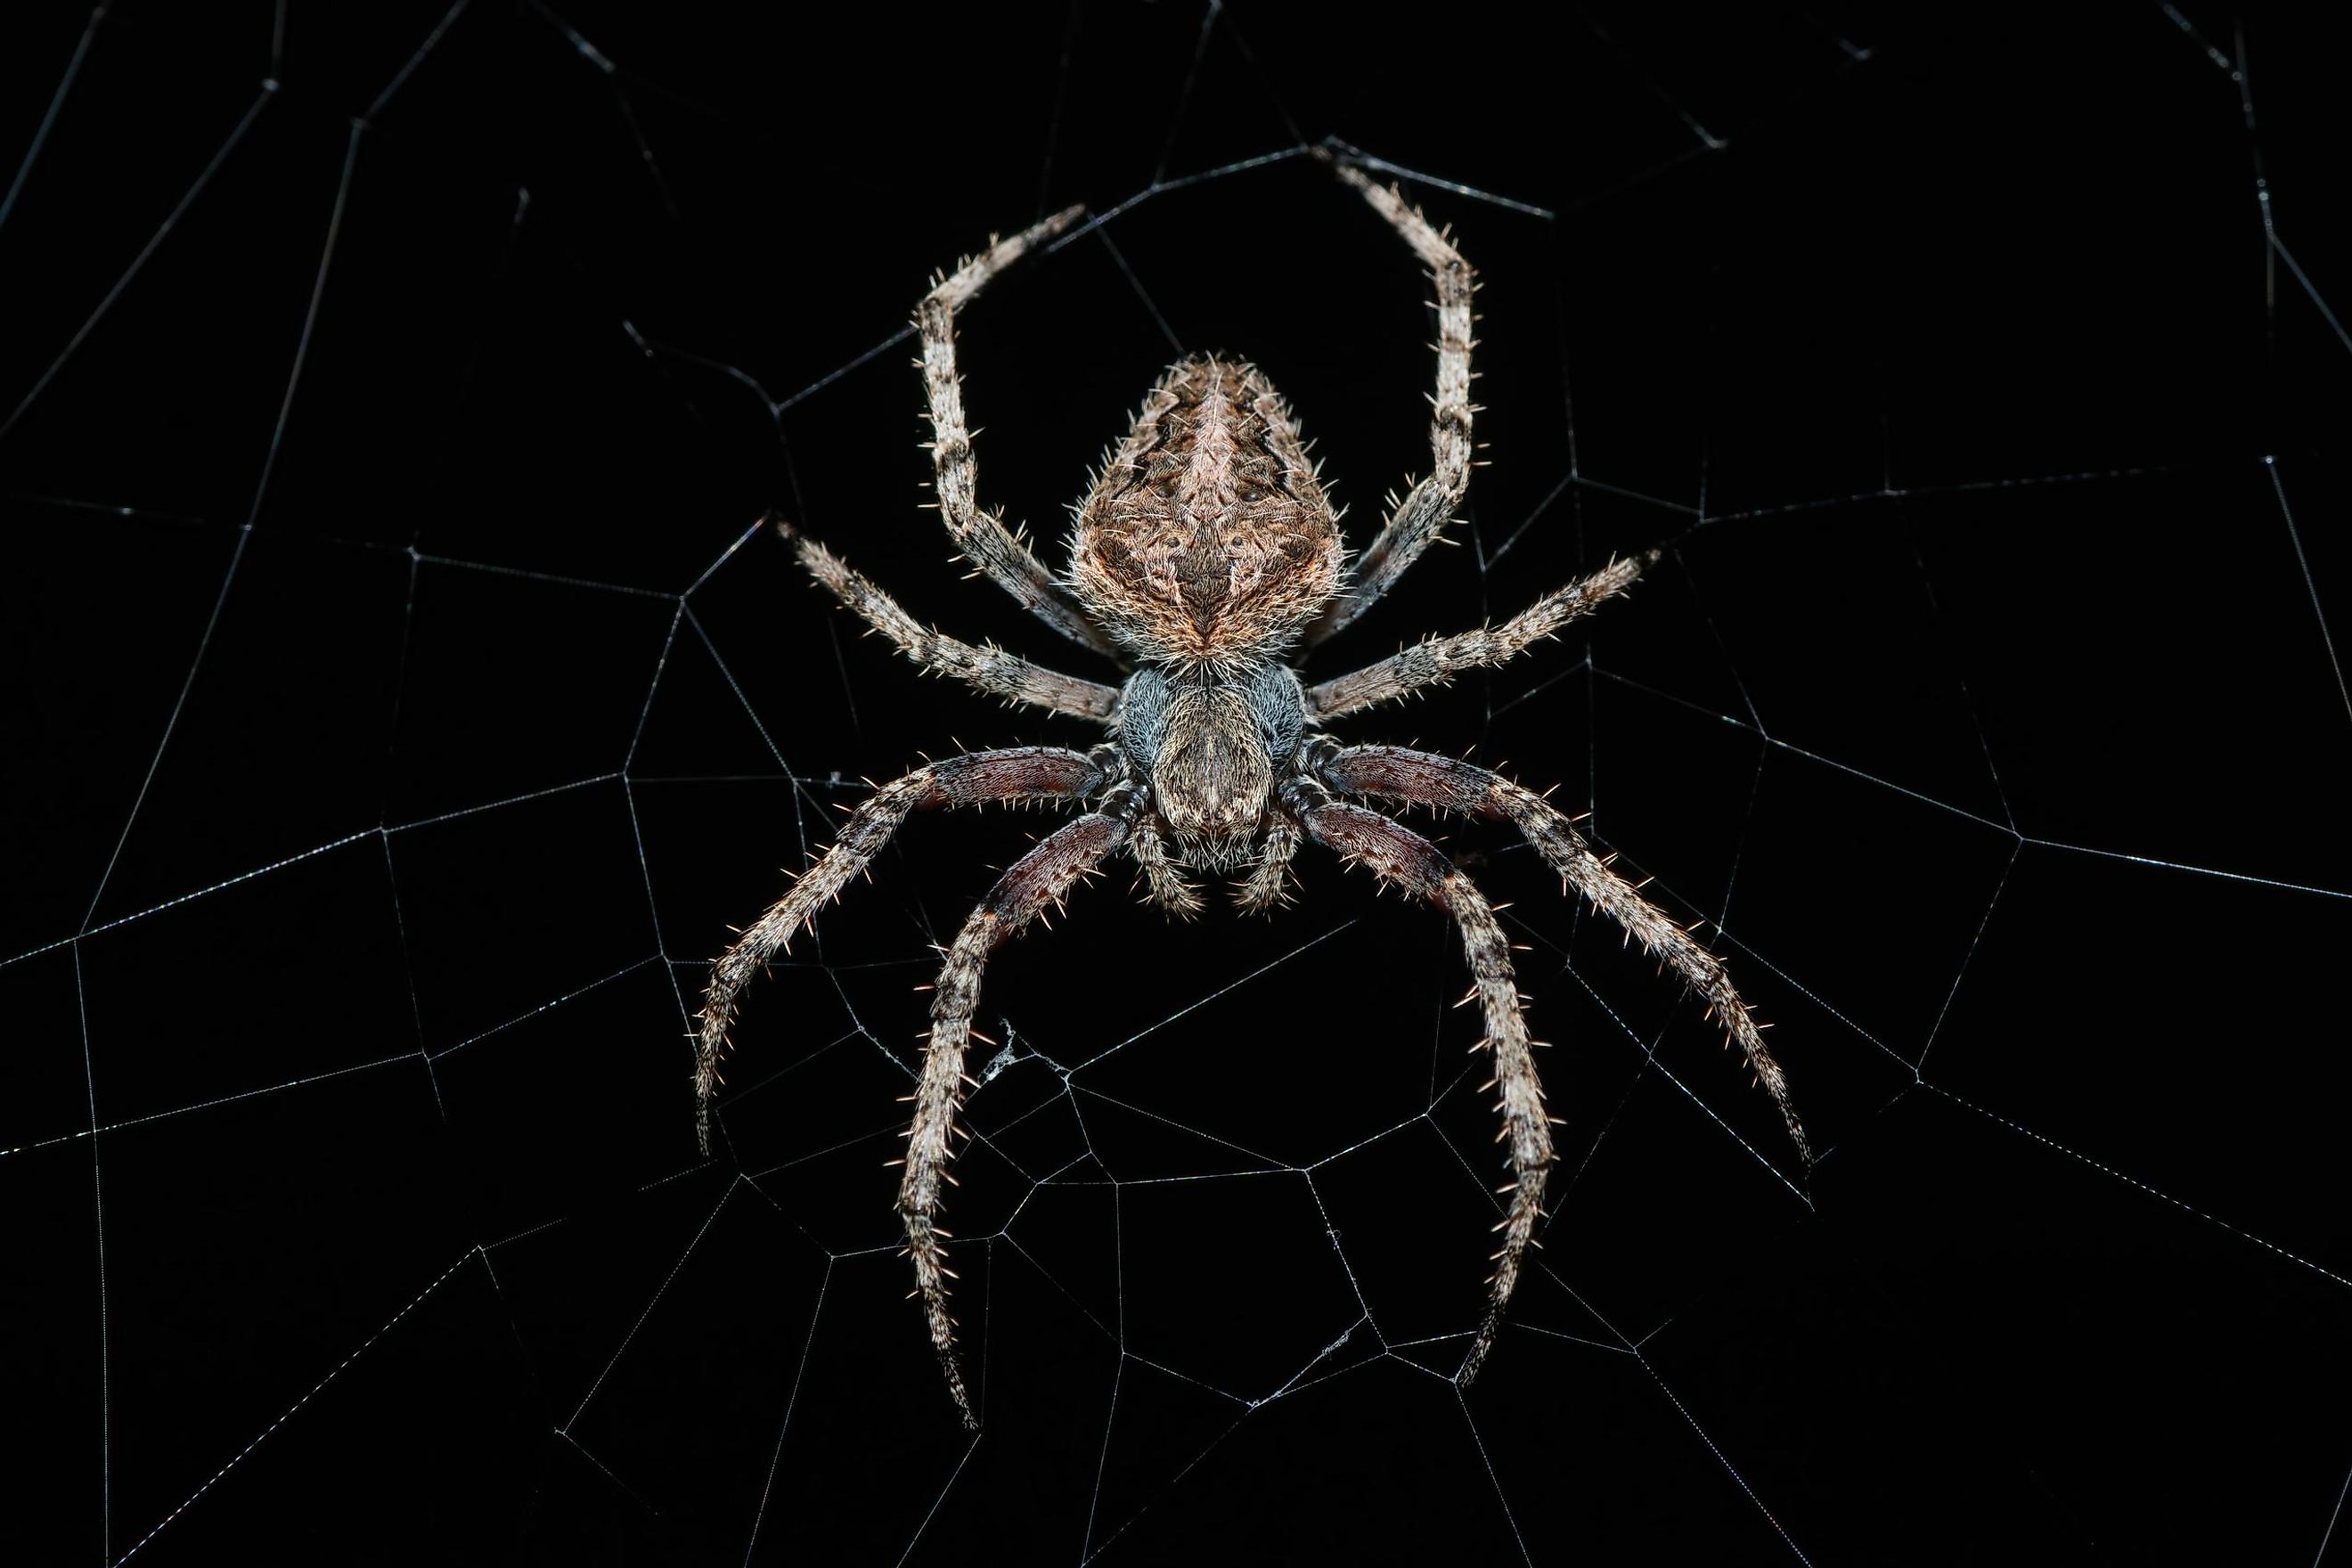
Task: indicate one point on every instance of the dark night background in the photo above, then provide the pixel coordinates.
(399, 708)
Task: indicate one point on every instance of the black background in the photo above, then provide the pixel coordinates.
(401, 707)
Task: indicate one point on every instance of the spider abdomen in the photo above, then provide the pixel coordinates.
(1207, 535)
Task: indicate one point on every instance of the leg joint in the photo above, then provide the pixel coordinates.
(1125, 801)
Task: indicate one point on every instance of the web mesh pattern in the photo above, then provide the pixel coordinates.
(402, 701)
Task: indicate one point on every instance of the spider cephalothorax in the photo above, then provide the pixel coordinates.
(1204, 552)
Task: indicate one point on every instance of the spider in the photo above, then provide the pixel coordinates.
(1204, 552)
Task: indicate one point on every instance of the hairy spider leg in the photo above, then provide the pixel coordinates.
(1435, 661)
(973, 778)
(1044, 876)
(981, 536)
(1420, 778)
(1403, 858)
(986, 668)
(1428, 506)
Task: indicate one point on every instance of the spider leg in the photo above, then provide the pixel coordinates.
(987, 668)
(981, 536)
(1429, 506)
(1044, 876)
(1398, 856)
(1395, 772)
(1435, 661)
(1017, 774)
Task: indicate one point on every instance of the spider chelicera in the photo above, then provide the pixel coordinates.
(1204, 552)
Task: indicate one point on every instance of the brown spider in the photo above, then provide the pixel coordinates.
(1204, 551)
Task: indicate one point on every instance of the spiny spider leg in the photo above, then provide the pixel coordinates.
(1044, 876)
(974, 778)
(981, 536)
(987, 668)
(1419, 778)
(1425, 510)
(1436, 660)
(1403, 857)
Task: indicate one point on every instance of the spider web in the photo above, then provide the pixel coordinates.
(402, 703)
